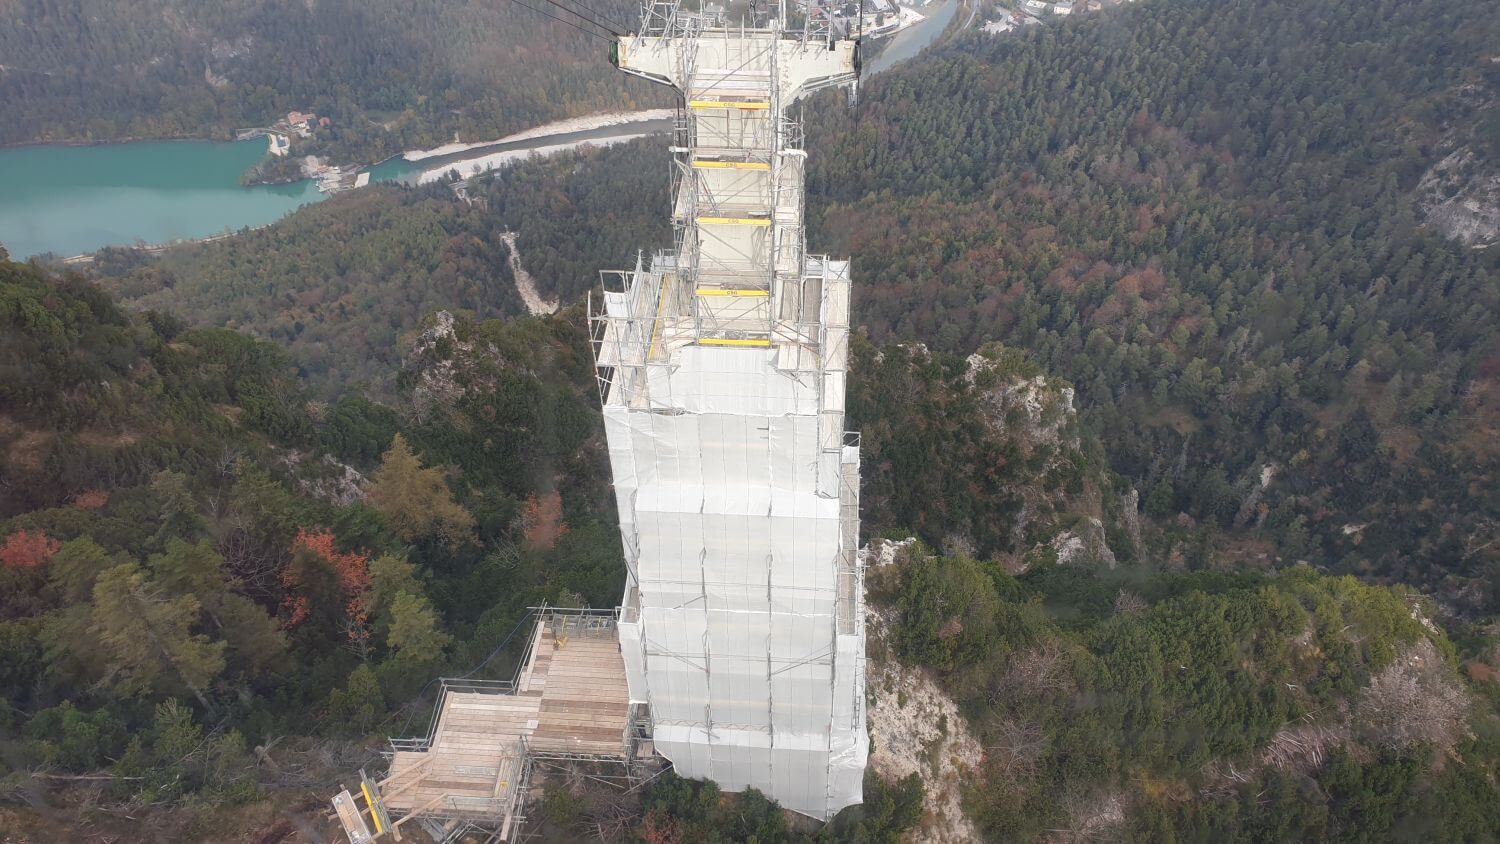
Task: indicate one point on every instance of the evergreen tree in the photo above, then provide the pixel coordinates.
(416, 502)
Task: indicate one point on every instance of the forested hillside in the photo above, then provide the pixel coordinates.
(391, 75)
(342, 284)
(1205, 216)
(198, 563)
(1143, 706)
(337, 284)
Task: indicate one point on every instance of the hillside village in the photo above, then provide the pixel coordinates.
(1019, 13)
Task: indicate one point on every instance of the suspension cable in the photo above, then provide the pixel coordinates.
(603, 33)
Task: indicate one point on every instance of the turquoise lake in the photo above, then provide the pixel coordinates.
(71, 200)
(74, 199)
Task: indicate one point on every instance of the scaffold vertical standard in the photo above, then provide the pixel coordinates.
(721, 367)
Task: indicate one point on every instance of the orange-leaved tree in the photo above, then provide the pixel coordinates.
(28, 549)
(351, 571)
(542, 520)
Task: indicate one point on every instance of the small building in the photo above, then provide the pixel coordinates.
(1062, 9)
(1005, 22)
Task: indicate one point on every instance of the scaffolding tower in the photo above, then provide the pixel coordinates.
(721, 368)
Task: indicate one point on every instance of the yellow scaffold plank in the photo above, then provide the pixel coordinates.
(717, 291)
(661, 298)
(374, 811)
(725, 341)
(706, 164)
(743, 105)
(734, 221)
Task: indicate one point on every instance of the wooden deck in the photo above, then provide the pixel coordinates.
(475, 757)
(571, 697)
(585, 702)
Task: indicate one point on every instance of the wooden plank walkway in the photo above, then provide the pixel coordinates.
(584, 694)
(475, 756)
(573, 698)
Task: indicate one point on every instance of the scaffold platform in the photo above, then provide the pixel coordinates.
(569, 702)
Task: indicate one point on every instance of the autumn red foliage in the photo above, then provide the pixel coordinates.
(353, 571)
(660, 828)
(93, 499)
(28, 549)
(542, 520)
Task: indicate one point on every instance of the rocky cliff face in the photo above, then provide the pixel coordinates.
(984, 456)
(434, 363)
(1064, 508)
(915, 726)
(1460, 196)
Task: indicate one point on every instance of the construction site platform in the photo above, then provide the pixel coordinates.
(569, 700)
(579, 680)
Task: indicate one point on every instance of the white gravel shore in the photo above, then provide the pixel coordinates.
(572, 124)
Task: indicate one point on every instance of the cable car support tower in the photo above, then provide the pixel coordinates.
(721, 367)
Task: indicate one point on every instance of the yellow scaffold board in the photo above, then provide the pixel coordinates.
(739, 104)
(718, 291)
(725, 341)
(705, 164)
(735, 221)
(374, 808)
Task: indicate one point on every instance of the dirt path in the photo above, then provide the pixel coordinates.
(525, 284)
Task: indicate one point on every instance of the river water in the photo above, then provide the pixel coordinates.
(910, 41)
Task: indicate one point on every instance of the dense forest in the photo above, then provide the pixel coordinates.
(1230, 265)
(337, 284)
(1204, 215)
(1147, 706)
(391, 76)
(198, 559)
(341, 283)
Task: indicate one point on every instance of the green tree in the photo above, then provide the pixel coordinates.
(75, 568)
(147, 636)
(416, 502)
(416, 634)
(354, 709)
(253, 638)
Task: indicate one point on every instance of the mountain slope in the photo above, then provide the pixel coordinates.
(196, 559)
(391, 75)
(1207, 218)
(1162, 707)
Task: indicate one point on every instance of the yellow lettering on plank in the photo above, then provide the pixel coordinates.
(730, 165)
(719, 291)
(734, 221)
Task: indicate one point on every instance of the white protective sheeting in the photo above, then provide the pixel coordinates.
(735, 551)
(742, 626)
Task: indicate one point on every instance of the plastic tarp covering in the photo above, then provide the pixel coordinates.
(736, 554)
(729, 478)
(727, 380)
(635, 663)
